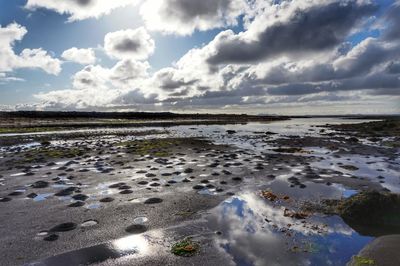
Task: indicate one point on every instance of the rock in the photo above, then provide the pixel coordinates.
(349, 167)
(136, 229)
(353, 139)
(153, 201)
(77, 204)
(230, 132)
(50, 238)
(64, 227)
(80, 197)
(383, 251)
(107, 199)
(31, 195)
(40, 184)
(372, 212)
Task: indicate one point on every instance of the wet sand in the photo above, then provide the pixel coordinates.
(237, 191)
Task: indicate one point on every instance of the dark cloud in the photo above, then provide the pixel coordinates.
(394, 68)
(187, 10)
(185, 16)
(313, 29)
(84, 2)
(392, 21)
(380, 82)
(127, 45)
(168, 80)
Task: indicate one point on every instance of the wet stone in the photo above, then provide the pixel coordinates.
(124, 187)
(127, 191)
(64, 227)
(198, 187)
(141, 172)
(16, 193)
(80, 197)
(108, 199)
(5, 199)
(40, 184)
(188, 170)
(153, 201)
(77, 204)
(65, 192)
(136, 229)
(166, 174)
(50, 238)
(31, 195)
(117, 185)
(143, 183)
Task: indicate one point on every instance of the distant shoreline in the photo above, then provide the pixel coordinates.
(171, 115)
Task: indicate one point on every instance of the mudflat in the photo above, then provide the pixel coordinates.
(280, 192)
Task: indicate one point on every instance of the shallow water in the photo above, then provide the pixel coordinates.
(255, 233)
(131, 245)
(253, 230)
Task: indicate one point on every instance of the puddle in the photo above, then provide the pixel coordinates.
(93, 206)
(255, 233)
(140, 220)
(42, 197)
(89, 223)
(251, 230)
(131, 245)
(376, 169)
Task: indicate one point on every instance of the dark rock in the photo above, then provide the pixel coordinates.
(153, 201)
(64, 227)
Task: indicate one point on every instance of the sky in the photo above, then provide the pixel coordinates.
(290, 57)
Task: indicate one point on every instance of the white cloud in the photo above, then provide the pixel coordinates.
(129, 44)
(80, 56)
(28, 58)
(4, 78)
(276, 73)
(183, 17)
(79, 9)
(96, 86)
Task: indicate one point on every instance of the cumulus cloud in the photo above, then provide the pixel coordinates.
(97, 86)
(291, 28)
(79, 9)
(132, 44)
(290, 53)
(80, 56)
(28, 58)
(183, 17)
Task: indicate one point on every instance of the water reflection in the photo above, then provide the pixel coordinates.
(254, 232)
(376, 169)
(136, 244)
